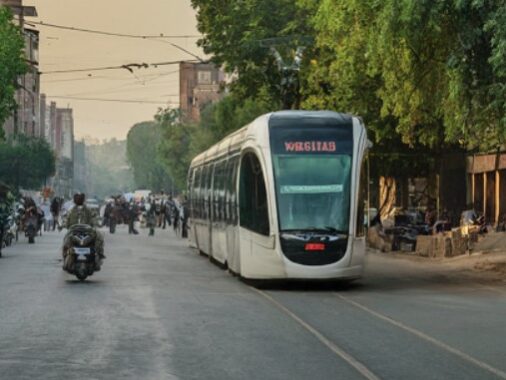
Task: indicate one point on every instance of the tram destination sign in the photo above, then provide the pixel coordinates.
(311, 140)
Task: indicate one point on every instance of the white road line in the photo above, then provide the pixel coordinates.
(332, 346)
(492, 289)
(426, 337)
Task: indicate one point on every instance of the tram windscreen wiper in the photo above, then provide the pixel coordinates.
(325, 229)
(335, 230)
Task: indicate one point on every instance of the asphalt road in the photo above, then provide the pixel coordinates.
(158, 310)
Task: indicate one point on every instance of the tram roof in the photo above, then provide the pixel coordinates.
(235, 139)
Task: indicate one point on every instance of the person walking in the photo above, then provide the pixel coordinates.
(133, 211)
(55, 210)
(6, 202)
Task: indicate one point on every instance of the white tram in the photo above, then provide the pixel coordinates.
(282, 198)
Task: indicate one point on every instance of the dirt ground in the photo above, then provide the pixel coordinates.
(477, 267)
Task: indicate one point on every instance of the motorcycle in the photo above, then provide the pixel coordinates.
(10, 231)
(80, 255)
(31, 225)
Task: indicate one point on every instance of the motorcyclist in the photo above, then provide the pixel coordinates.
(6, 202)
(81, 214)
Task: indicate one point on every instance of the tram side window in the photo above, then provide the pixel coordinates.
(235, 172)
(218, 184)
(221, 197)
(214, 191)
(231, 178)
(209, 190)
(190, 185)
(196, 194)
(253, 196)
(203, 192)
(227, 190)
(362, 193)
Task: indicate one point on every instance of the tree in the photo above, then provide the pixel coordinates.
(12, 63)
(432, 72)
(142, 154)
(26, 162)
(233, 34)
(174, 147)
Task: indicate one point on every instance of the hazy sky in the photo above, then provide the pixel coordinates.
(62, 50)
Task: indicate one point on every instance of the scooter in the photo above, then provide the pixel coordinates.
(11, 231)
(80, 256)
(31, 224)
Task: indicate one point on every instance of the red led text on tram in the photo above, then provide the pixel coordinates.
(310, 146)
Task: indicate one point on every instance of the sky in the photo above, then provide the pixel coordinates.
(67, 50)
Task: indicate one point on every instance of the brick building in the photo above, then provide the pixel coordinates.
(199, 85)
(26, 118)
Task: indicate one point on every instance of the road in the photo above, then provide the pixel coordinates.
(158, 310)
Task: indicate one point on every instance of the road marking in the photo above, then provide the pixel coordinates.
(332, 346)
(492, 289)
(426, 337)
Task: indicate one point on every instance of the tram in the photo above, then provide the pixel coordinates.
(283, 197)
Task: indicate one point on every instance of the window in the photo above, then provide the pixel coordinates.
(312, 172)
(362, 195)
(195, 195)
(204, 77)
(231, 196)
(253, 196)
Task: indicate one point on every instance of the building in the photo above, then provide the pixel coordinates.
(486, 174)
(63, 146)
(81, 169)
(26, 118)
(199, 85)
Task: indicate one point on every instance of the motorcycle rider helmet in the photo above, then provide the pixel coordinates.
(79, 199)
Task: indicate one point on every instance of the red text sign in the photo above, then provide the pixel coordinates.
(310, 146)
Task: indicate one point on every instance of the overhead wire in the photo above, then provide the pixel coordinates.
(155, 38)
(129, 67)
(140, 101)
(112, 34)
(152, 77)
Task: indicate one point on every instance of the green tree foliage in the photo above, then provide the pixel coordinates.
(26, 162)
(174, 148)
(182, 142)
(233, 31)
(431, 71)
(142, 154)
(12, 63)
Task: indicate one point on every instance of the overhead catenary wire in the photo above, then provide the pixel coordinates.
(159, 38)
(139, 101)
(112, 34)
(129, 67)
(145, 78)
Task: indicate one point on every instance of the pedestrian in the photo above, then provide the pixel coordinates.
(151, 217)
(6, 202)
(168, 210)
(132, 218)
(176, 215)
(184, 218)
(55, 209)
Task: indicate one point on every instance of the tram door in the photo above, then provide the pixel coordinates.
(255, 240)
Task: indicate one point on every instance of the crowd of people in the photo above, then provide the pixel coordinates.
(48, 214)
(155, 211)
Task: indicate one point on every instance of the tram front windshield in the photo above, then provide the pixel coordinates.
(312, 170)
